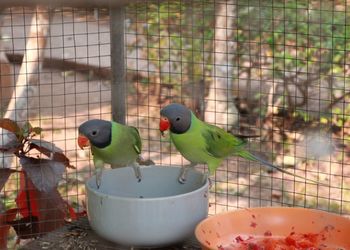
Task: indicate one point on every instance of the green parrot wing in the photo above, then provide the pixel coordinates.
(137, 144)
(219, 143)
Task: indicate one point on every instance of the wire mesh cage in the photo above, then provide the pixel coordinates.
(275, 71)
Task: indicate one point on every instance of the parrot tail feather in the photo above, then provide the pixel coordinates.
(249, 156)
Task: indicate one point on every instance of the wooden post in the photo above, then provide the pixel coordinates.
(118, 81)
(220, 107)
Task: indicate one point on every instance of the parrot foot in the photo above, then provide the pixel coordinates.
(183, 173)
(205, 178)
(182, 178)
(137, 172)
(210, 183)
(98, 178)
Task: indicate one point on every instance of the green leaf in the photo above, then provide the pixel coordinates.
(26, 129)
(37, 130)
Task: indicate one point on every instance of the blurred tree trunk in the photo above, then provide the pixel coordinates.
(6, 82)
(193, 89)
(28, 75)
(220, 107)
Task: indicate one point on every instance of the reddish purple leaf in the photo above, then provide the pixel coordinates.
(12, 146)
(9, 125)
(51, 151)
(46, 145)
(45, 174)
(52, 211)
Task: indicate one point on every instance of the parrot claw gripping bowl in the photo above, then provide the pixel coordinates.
(157, 211)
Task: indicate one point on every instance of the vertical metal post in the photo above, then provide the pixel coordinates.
(118, 81)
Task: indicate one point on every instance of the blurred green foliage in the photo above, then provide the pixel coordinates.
(287, 42)
(299, 46)
(297, 34)
(178, 37)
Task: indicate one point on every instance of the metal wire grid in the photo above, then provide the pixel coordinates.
(289, 73)
(286, 80)
(70, 86)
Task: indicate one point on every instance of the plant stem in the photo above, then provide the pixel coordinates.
(26, 188)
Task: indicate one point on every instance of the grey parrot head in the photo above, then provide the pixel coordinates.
(98, 132)
(178, 116)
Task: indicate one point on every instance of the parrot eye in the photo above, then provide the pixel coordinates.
(178, 119)
(94, 133)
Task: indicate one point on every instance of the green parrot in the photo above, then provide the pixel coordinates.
(112, 143)
(202, 143)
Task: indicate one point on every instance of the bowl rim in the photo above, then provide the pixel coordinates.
(113, 197)
(252, 209)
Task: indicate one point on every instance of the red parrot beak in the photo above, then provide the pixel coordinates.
(83, 142)
(164, 125)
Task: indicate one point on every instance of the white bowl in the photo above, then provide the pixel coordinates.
(157, 211)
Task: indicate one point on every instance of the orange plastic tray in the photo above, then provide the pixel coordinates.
(221, 231)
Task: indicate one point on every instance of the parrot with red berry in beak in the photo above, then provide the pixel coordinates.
(203, 143)
(111, 143)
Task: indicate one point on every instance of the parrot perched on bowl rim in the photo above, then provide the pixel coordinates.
(112, 143)
(203, 143)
